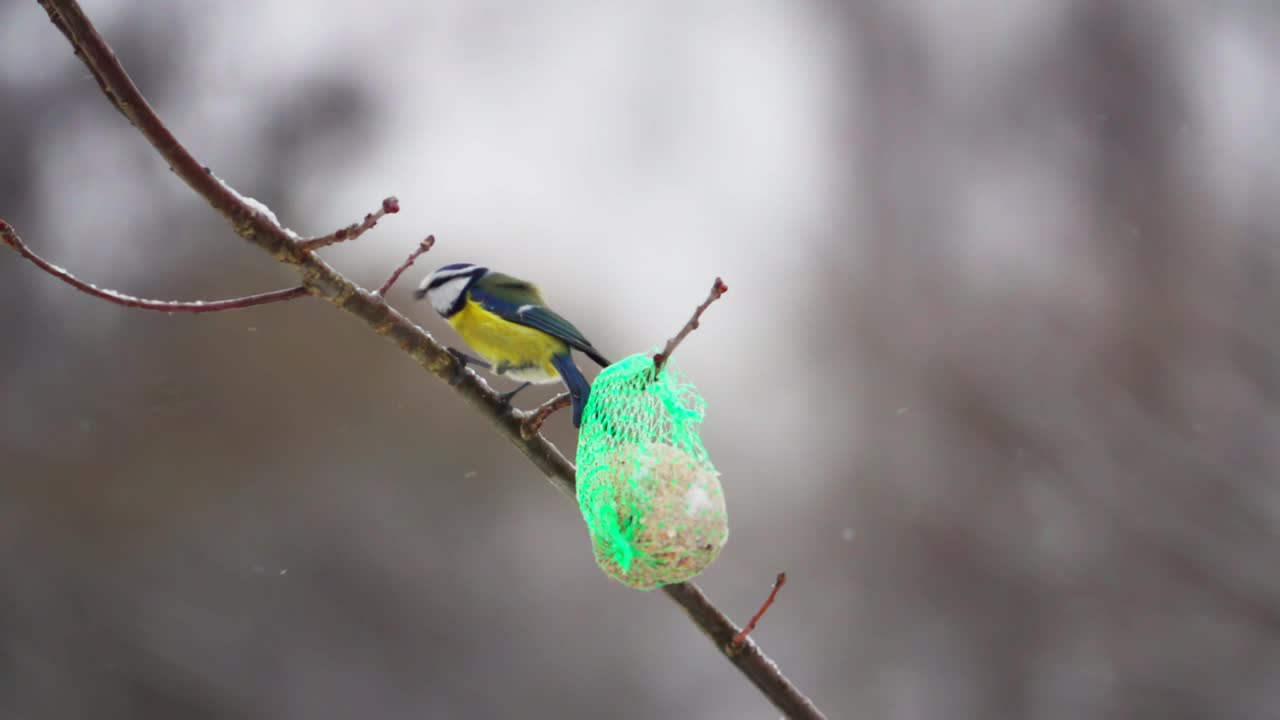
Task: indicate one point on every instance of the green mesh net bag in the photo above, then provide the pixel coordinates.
(648, 491)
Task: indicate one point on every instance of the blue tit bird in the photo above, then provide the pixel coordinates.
(507, 322)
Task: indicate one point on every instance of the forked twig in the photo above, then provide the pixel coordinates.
(10, 238)
(423, 247)
(533, 423)
(718, 288)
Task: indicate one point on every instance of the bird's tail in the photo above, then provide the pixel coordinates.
(579, 388)
(591, 353)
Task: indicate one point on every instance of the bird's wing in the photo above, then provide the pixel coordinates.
(520, 302)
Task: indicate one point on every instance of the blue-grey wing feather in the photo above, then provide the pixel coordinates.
(520, 302)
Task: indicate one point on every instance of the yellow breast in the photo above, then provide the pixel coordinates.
(521, 352)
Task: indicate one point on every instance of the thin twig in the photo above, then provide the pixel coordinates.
(389, 206)
(324, 282)
(741, 637)
(718, 288)
(750, 659)
(533, 423)
(423, 246)
(10, 238)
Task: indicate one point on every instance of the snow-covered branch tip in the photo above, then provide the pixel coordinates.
(718, 288)
(390, 206)
(422, 248)
(10, 238)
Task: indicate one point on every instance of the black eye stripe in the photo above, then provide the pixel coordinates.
(438, 281)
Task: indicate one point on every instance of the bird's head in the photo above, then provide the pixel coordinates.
(447, 286)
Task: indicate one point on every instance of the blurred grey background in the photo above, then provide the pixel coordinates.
(996, 381)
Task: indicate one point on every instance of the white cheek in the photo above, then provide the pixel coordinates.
(443, 297)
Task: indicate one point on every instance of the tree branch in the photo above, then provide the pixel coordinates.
(718, 288)
(116, 84)
(324, 282)
(749, 658)
(10, 238)
(533, 423)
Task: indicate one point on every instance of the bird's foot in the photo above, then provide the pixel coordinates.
(460, 370)
(505, 398)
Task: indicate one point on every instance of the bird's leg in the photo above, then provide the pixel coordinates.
(501, 368)
(505, 397)
(463, 361)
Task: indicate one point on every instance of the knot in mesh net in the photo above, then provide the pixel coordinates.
(646, 487)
